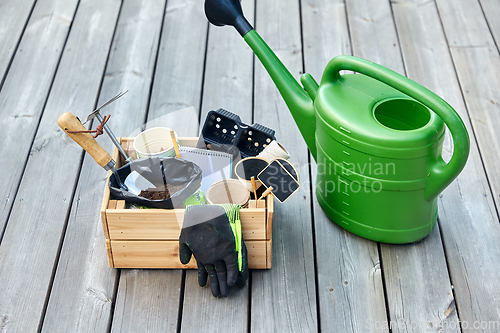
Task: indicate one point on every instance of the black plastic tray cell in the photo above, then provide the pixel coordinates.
(221, 127)
(252, 141)
(225, 128)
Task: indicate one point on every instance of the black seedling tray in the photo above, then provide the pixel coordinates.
(225, 128)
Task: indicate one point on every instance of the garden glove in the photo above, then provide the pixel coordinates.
(217, 245)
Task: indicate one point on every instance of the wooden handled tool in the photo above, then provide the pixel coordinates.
(174, 142)
(266, 192)
(254, 187)
(68, 122)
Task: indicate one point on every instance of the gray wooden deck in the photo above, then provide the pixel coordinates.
(70, 55)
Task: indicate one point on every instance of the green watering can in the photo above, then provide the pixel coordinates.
(376, 142)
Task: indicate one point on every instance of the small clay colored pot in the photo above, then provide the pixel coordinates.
(228, 191)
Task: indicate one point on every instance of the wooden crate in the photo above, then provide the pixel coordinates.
(149, 238)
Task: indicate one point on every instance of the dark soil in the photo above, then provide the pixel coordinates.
(161, 192)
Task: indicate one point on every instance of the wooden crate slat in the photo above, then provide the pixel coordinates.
(109, 251)
(166, 224)
(164, 254)
(269, 250)
(270, 212)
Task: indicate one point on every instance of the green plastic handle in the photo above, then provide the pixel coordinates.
(441, 174)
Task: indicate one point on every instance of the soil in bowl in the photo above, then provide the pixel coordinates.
(160, 192)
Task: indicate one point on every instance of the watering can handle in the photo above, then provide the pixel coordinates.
(441, 174)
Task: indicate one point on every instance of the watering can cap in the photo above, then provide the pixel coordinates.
(227, 12)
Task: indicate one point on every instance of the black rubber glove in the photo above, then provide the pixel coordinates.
(207, 233)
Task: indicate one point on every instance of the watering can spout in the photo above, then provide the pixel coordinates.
(299, 102)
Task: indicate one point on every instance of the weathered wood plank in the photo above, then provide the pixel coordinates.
(146, 298)
(14, 15)
(463, 22)
(418, 48)
(291, 281)
(177, 84)
(467, 215)
(82, 295)
(229, 70)
(228, 314)
(418, 287)
(476, 264)
(179, 72)
(350, 290)
(480, 91)
(34, 233)
(228, 85)
(25, 91)
(491, 9)
(325, 34)
(482, 97)
(374, 35)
